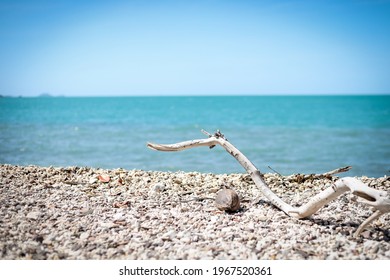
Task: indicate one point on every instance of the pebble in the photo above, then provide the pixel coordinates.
(119, 217)
(33, 215)
(154, 215)
(84, 235)
(93, 180)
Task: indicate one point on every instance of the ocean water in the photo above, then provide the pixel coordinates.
(291, 134)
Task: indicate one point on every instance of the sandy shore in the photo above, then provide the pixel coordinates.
(71, 213)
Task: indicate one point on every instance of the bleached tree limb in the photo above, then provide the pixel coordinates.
(301, 177)
(338, 170)
(379, 200)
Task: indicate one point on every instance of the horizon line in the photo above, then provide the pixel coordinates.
(48, 95)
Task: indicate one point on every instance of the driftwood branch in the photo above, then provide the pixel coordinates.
(379, 200)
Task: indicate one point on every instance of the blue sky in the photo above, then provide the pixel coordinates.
(200, 47)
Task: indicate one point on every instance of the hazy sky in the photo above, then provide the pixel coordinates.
(194, 47)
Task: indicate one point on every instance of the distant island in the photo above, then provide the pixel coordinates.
(45, 94)
(42, 95)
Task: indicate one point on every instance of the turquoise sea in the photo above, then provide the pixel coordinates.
(291, 134)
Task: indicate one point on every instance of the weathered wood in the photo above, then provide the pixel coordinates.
(379, 200)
